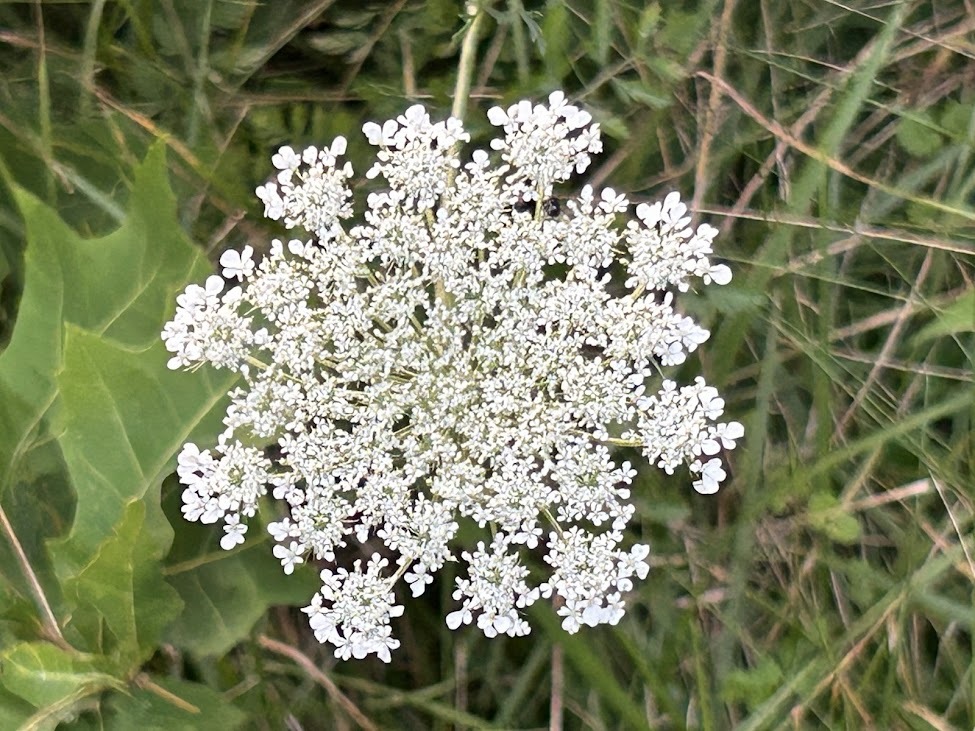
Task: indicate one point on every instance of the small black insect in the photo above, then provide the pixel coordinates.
(551, 207)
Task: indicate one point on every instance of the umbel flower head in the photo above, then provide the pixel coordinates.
(468, 354)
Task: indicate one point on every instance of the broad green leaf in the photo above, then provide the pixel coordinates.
(124, 588)
(86, 366)
(121, 285)
(188, 707)
(28, 363)
(125, 416)
(14, 710)
(41, 502)
(45, 675)
(225, 594)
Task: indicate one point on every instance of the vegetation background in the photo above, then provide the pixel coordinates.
(829, 585)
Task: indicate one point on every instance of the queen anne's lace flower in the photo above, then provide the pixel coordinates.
(468, 354)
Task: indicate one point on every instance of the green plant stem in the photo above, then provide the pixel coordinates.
(462, 91)
(465, 66)
(89, 53)
(44, 101)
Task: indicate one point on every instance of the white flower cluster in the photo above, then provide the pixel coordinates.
(466, 356)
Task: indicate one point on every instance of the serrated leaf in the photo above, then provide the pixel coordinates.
(86, 364)
(125, 416)
(124, 588)
(120, 285)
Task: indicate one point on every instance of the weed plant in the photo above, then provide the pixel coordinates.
(829, 584)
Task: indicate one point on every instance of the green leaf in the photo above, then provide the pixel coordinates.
(124, 587)
(14, 710)
(958, 317)
(827, 516)
(556, 40)
(197, 707)
(87, 367)
(682, 29)
(226, 594)
(120, 286)
(125, 415)
(649, 21)
(47, 676)
(917, 136)
(752, 686)
(634, 92)
(335, 42)
(602, 25)
(955, 119)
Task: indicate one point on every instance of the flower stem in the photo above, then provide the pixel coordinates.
(465, 67)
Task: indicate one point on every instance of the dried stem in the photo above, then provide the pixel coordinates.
(142, 680)
(51, 629)
(558, 687)
(319, 677)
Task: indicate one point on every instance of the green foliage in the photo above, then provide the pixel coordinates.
(919, 137)
(827, 516)
(154, 711)
(85, 374)
(829, 586)
(225, 596)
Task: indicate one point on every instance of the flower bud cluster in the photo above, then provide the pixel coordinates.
(463, 359)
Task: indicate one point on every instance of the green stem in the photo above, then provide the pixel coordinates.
(404, 565)
(465, 67)
(551, 519)
(615, 441)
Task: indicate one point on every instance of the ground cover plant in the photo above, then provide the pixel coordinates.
(828, 584)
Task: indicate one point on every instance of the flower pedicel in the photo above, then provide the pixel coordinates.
(469, 353)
